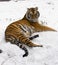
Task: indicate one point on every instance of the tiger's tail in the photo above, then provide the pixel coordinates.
(25, 49)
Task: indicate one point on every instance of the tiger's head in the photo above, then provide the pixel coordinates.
(32, 14)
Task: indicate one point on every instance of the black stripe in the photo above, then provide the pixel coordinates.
(35, 36)
(22, 28)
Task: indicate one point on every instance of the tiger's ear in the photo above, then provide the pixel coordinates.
(36, 8)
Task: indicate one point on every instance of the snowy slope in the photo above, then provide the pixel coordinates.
(48, 54)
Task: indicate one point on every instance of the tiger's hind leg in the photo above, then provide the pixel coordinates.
(24, 40)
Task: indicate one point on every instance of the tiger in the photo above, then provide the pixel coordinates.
(20, 32)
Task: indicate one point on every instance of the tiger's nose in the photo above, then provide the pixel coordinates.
(34, 17)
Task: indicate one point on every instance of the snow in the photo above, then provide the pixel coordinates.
(46, 55)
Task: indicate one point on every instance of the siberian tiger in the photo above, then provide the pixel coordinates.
(21, 30)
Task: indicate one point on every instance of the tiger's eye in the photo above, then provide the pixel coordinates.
(30, 14)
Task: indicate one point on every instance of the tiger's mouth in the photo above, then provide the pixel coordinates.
(34, 20)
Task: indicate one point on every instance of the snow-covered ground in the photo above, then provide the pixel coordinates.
(48, 54)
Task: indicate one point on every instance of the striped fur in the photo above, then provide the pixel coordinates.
(21, 30)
